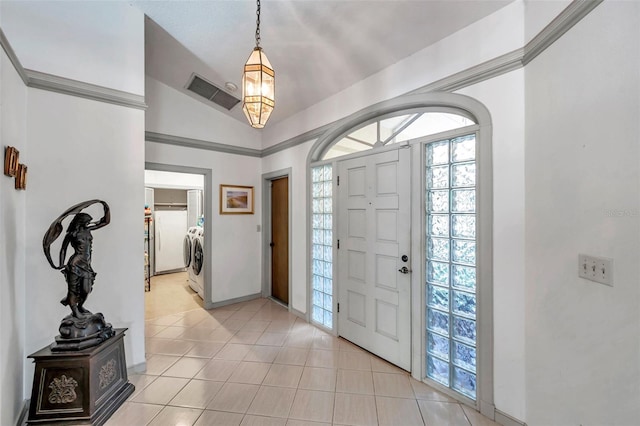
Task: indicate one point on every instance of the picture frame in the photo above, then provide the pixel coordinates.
(236, 199)
(21, 177)
(11, 160)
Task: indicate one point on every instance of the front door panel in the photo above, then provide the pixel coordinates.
(374, 234)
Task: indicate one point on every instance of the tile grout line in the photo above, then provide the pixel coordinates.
(281, 325)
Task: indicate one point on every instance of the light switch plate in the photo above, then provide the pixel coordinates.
(597, 269)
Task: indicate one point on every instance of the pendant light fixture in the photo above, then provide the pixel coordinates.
(258, 84)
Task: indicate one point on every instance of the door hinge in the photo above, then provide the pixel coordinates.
(338, 180)
(338, 244)
(338, 308)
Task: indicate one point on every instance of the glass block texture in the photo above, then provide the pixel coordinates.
(451, 263)
(322, 245)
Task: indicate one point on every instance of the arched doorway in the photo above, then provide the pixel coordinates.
(400, 229)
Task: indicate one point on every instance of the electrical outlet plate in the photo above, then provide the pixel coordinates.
(597, 269)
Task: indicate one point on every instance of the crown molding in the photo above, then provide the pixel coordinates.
(201, 144)
(502, 64)
(67, 86)
(476, 74)
(6, 46)
(295, 141)
(231, 149)
(562, 23)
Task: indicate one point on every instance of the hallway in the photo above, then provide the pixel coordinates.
(254, 363)
(170, 294)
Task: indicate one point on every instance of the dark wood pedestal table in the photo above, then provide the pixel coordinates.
(79, 387)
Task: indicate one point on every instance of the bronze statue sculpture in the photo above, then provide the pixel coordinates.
(82, 329)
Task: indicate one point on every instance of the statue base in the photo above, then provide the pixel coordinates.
(81, 387)
(82, 333)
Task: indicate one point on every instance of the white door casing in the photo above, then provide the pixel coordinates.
(374, 230)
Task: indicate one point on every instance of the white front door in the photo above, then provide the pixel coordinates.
(374, 248)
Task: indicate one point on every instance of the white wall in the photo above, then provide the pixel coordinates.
(236, 257)
(582, 177)
(79, 149)
(504, 97)
(13, 111)
(538, 14)
(173, 113)
(296, 158)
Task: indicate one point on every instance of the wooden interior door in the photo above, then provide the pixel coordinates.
(373, 258)
(280, 239)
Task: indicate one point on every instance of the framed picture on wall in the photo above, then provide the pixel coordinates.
(236, 199)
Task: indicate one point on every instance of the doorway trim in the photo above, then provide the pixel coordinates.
(480, 114)
(208, 214)
(266, 232)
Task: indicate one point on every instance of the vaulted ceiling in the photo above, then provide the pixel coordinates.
(317, 47)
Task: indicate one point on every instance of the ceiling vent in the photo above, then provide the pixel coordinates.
(214, 94)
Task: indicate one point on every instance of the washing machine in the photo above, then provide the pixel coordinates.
(197, 262)
(187, 248)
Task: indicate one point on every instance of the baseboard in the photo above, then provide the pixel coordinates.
(22, 420)
(299, 314)
(137, 368)
(487, 409)
(171, 271)
(234, 300)
(277, 302)
(506, 420)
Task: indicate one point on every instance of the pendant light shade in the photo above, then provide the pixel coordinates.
(258, 84)
(258, 88)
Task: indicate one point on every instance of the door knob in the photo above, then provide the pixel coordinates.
(404, 270)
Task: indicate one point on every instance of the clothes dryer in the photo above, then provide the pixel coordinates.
(197, 262)
(188, 254)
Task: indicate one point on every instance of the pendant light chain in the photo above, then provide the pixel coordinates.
(258, 25)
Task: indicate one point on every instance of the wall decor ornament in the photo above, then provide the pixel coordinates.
(11, 159)
(81, 329)
(13, 168)
(21, 177)
(236, 199)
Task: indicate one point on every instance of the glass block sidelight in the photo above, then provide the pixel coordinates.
(450, 242)
(322, 245)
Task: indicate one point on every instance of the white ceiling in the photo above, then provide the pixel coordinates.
(317, 47)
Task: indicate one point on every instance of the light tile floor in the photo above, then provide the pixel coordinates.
(253, 363)
(169, 294)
